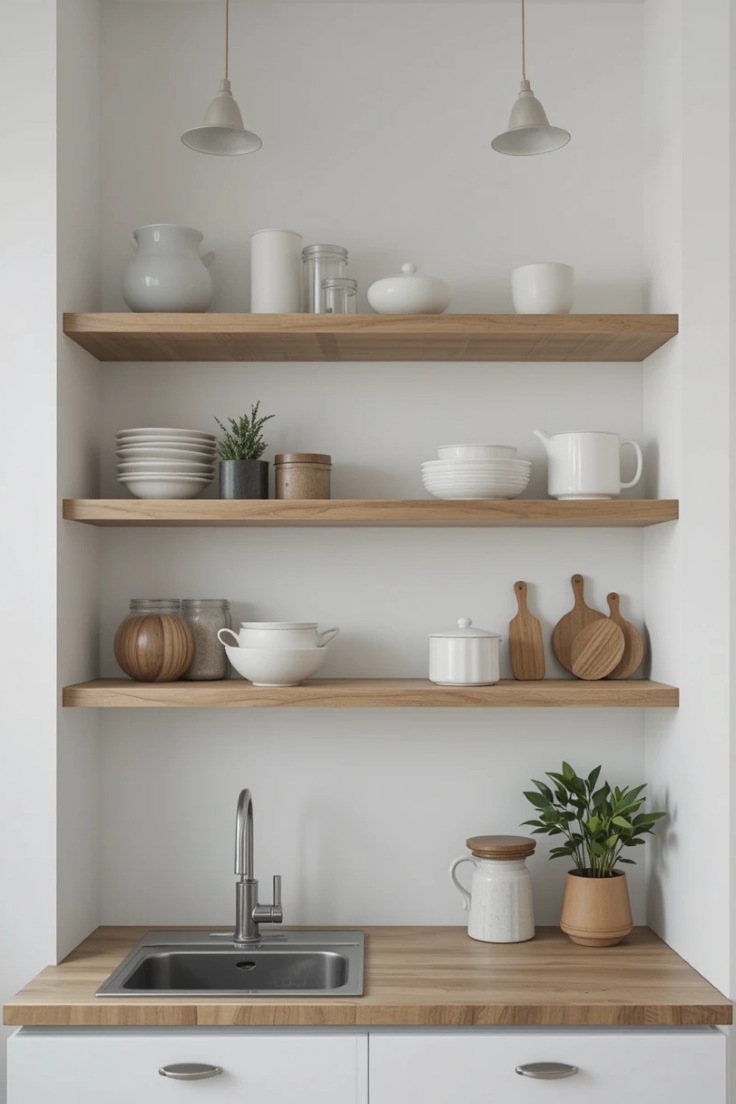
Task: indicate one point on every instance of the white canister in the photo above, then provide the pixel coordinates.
(276, 272)
(543, 288)
(279, 634)
(409, 293)
(586, 464)
(167, 272)
(464, 656)
(500, 901)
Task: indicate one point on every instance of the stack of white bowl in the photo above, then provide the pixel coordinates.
(165, 463)
(277, 653)
(476, 471)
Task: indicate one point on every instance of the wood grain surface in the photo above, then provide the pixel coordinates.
(597, 649)
(568, 627)
(371, 337)
(413, 976)
(633, 642)
(367, 513)
(154, 647)
(372, 694)
(525, 640)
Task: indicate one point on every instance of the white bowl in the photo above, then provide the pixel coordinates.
(276, 666)
(470, 452)
(159, 452)
(174, 467)
(480, 465)
(159, 485)
(468, 493)
(141, 441)
(149, 431)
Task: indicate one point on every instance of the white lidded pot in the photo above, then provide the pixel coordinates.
(167, 272)
(409, 293)
(278, 634)
(500, 901)
(464, 656)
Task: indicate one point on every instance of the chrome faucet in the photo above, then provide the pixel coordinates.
(248, 913)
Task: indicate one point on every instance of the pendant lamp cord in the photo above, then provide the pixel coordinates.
(227, 37)
(523, 40)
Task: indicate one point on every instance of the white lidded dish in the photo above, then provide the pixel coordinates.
(409, 293)
(464, 656)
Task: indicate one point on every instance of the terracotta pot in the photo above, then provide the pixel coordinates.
(596, 911)
(156, 647)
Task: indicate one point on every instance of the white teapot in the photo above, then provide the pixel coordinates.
(500, 900)
(167, 272)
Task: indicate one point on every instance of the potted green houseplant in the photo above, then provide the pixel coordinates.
(242, 472)
(597, 825)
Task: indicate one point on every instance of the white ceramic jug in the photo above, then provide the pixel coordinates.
(167, 272)
(586, 465)
(500, 901)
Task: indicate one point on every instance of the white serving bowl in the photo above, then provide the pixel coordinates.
(276, 666)
(160, 485)
(489, 488)
(158, 452)
(174, 467)
(152, 431)
(467, 493)
(473, 452)
(477, 465)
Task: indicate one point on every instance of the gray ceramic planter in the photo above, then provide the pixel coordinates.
(244, 478)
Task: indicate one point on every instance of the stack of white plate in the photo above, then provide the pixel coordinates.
(476, 471)
(165, 463)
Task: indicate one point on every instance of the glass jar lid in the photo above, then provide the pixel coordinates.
(206, 603)
(338, 252)
(464, 630)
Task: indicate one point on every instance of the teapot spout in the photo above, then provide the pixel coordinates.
(543, 437)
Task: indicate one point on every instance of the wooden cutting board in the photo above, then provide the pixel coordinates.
(633, 643)
(525, 641)
(597, 649)
(568, 627)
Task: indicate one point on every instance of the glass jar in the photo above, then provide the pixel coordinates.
(340, 296)
(321, 262)
(204, 617)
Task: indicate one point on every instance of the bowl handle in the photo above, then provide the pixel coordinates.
(232, 634)
(330, 634)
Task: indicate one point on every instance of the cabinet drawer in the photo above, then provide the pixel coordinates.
(647, 1066)
(71, 1066)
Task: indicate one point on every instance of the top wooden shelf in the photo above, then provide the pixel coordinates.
(371, 337)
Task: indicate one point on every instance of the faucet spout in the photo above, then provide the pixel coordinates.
(244, 837)
(249, 914)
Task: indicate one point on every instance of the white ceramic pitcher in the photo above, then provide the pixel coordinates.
(500, 900)
(586, 465)
(167, 272)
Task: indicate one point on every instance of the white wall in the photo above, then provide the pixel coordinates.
(28, 457)
(376, 121)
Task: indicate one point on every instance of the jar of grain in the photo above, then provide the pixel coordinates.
(205, 616)
(303, 475)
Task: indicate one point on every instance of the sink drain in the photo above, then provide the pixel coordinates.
(245, 965)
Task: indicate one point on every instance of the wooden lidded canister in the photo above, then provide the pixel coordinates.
(303, 475)
(500, 900)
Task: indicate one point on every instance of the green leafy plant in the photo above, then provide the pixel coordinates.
(598, 824)
(244, 439)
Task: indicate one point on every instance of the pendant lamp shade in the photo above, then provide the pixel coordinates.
(222, 133)
(529, 131)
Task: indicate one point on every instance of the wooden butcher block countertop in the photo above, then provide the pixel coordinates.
(413, 976)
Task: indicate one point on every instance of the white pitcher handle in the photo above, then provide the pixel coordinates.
(133, 241)
(453, 878)
(232, 634)
(208, 258)
(330, 634)
(639, 464)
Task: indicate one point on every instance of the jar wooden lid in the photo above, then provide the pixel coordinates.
(501, 847)
(302, 458)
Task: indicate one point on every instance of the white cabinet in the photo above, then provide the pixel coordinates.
(644, 1066)
(121, 1066)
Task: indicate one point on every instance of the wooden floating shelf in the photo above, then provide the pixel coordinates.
(373, 694)
(371, 337)
(398, 513)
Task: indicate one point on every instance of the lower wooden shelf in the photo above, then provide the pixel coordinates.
(373, 694)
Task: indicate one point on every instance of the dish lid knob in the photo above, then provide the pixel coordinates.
(408, 269)
(464, 623)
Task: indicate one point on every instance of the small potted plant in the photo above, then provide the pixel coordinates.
(242, 472)
(597, 825)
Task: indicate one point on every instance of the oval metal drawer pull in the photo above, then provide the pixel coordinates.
(189, 1071)
(546, 1071)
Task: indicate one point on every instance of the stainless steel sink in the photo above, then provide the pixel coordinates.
(191, 963)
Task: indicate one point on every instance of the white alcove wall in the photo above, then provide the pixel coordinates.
(376, 121)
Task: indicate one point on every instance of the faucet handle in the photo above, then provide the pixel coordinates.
(277, 890)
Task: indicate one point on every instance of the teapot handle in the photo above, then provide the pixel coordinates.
(453, 878)
(208, 258)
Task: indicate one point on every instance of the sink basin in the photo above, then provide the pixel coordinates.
(191, 963)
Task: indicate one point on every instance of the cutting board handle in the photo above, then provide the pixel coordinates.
(578, 588)
(520, 591)
(613, 604)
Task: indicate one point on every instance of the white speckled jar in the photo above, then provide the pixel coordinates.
(500, 901)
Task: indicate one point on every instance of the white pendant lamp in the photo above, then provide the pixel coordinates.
(529, 131)
(223, 133)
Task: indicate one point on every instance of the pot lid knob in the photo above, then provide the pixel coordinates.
(464, 623)
(409, 269)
